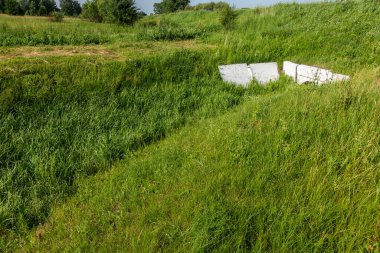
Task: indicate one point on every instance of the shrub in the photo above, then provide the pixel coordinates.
(56, 16)
(91, 12)
(168, 6)
(212, 6)
(12, 7)
(228, 18)
(70, 7)
(122, 12)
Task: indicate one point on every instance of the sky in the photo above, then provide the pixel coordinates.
(147, 5)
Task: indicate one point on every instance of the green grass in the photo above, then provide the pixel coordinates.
(34, 31)
(292, 172)
(71, 120)
(292, 168)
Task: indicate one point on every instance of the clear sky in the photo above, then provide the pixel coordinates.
(147, 5)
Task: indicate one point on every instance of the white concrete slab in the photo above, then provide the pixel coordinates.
(304, 80)
(318, 75)
(265, 73)
(309, 74)
(290, 69)
(313, 74)
(339, 77)
(238, 74)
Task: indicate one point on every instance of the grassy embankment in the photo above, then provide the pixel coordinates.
(290, 171)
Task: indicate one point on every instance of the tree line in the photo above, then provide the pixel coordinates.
(112, 11)
(39, 7)
(123, 12)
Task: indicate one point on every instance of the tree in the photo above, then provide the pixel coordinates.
(43, 10)
(77, 8)
(167, 6)
(46, 7)
(24, 5)
(212, 6)
(1, 6)
(122, 12)
(33, 8)
(12, 7)
(38, 7)
(125, 12)
(91, 11)
(118, 11)
(141, 14)
(70, 7)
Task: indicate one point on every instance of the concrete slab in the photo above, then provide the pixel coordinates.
(318, 75)
(265, 73)
(313, 74)
(238, 74)
(309, 74)
(339, 77)
(290, 69)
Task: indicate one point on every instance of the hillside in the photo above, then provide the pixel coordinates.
(126, 139)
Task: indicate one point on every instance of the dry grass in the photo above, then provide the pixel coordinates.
(117, 52)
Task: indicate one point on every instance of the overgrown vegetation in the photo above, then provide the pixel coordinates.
(43, 38)
(168, 6)
(169, 33)
(211, 6)
(228, 18)
(39, 7)
(24, 31)
(293, 168)
(296, 171)
(122, 12)
(57, 16)
(82, 116)
(70, 7)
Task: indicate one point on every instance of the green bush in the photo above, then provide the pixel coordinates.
(90, 11)
(212, 6)
(56, 16)
(228, 17)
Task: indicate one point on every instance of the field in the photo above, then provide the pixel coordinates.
(120, 138)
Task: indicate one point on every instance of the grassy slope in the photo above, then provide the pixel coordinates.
(291, 172)
(74, 119)
(320, 34)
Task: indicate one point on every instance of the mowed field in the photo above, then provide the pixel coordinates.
(120, 138)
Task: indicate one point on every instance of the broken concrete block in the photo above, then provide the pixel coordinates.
(265, 72)
(290, 69)
(313, 74)
(317, 75)
(236, 73)
(308, 74)
(339, 77)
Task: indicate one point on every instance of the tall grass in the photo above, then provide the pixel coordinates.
(295, 171)
(169, 33)
(169, 29)
(342, 36)
(71, 120)
(33, 31)
(292, 172)
(337, 35)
